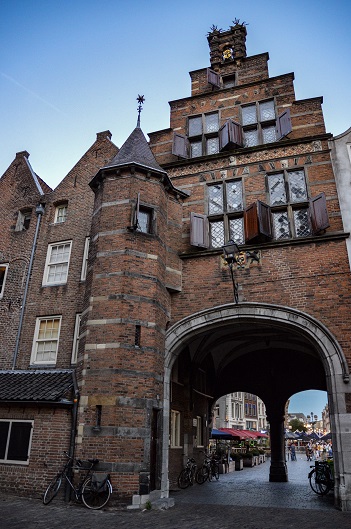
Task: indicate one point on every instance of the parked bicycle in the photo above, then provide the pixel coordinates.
(208, 470)
(94, 490)
(321, 477)
(187, 475)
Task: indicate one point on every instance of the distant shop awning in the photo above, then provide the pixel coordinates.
(244, 434)
(218, 434)
(257, 435)
(239, 434)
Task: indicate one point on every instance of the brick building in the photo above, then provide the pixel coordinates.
(121, 323)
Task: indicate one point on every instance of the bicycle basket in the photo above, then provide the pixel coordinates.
(99, 482)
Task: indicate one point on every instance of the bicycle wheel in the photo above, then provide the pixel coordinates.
(95, 498)
(52, 489)
(215, 471)
(184, 479)
(319, 482)
(201, 475)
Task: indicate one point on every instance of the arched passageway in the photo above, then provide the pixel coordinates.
(270, 351)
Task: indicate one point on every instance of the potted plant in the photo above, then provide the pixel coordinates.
(238, 459)
(262, 455)
(255, 455)
(248, 459)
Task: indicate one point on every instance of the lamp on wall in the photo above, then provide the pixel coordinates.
(231, 253)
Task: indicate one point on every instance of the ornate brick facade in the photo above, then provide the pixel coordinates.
(160, 338)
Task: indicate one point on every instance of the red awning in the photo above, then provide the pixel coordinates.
(244, 434)
(241, 434)
(256, 435)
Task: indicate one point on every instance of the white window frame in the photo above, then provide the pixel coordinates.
(175, 429)
(16, 461)
(83, 274)
(37, 340)
(49, 265)
(5, 267)
(61, 213)
(76, 337)
(199, 431)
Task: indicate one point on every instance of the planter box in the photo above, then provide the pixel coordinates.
(221, 468)
(231, 466)
(248, 461)
(239, 464)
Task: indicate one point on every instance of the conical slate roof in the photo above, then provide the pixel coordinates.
(135, 150)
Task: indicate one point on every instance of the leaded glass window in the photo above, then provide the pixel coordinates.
(269, 134)
(217, 234)
(249, 115)
(212, 145)
(204, 131)
(288, 189)
(236, 230)
(211, 122)
(276, 187)
(235, 195)
(195, 126)
(302, 224)
(259, 122)
(196, 149)
(297, 186)
(267, 110)
(215, 199)
(281, 225)
(251, 138)
(225, 208)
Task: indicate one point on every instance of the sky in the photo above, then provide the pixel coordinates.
(72, 68)
(308, 401)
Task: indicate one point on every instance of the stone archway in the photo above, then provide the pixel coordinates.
(309, 331)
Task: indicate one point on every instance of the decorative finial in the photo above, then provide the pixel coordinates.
(237, 22)
(141, 101)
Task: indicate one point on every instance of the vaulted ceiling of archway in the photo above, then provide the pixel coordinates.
(264, 359)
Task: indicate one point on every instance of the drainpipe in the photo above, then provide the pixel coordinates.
(39, 210)
(72, 444)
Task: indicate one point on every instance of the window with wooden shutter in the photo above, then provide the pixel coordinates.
(283, 126)
(291, 209)
(259, 123)
(230, 135)
(198, 230)
(213, 78)
(203, 134)
(180, 145)
(258, 222)
(319, 214)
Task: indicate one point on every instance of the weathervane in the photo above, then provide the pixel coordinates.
(141, 101)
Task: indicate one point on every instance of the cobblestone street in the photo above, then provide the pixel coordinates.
(245, 499)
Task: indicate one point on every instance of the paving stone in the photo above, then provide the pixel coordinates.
(242, 499)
